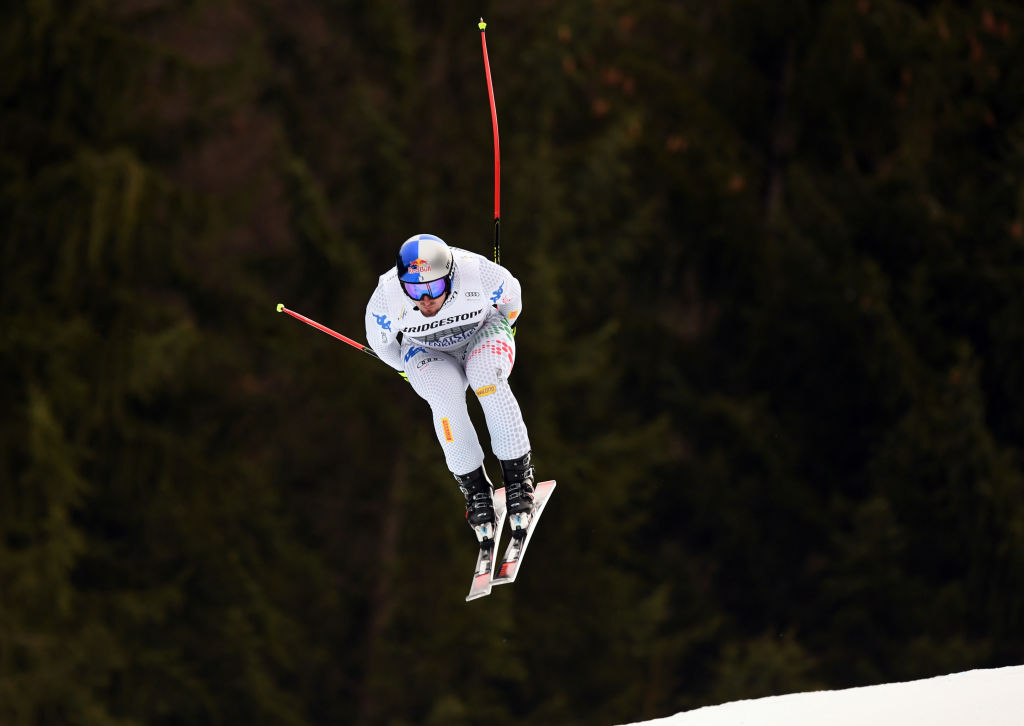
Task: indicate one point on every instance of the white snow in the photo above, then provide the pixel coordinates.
(992, 697)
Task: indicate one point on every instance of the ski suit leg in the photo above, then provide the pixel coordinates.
(489, 358)
(440, 380)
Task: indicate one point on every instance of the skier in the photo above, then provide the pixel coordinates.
(443, 318)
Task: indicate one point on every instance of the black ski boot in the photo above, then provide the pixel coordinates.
(519, 479)
(477, 489)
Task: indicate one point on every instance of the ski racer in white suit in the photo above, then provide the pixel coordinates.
(443, 318)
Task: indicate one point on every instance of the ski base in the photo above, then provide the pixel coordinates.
(486, 558)
(516, 550)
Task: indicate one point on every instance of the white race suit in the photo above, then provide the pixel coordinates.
(467, 343)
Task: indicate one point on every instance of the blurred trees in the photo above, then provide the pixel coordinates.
(772, 262)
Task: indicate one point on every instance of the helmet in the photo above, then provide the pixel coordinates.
(424, 258)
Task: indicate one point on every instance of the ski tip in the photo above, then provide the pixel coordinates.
(280, 307)
(482, 25)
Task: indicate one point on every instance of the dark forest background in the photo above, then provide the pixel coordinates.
(773, 258)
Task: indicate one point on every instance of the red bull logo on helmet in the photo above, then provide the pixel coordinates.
(418, 266)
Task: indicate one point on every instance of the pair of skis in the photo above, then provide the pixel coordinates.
(488, 571)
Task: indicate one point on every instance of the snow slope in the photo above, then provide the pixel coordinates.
(976, 698)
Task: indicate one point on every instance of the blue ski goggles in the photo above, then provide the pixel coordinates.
(419, 290)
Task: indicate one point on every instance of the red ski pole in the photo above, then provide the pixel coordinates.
(497, 155)
(366, 349)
